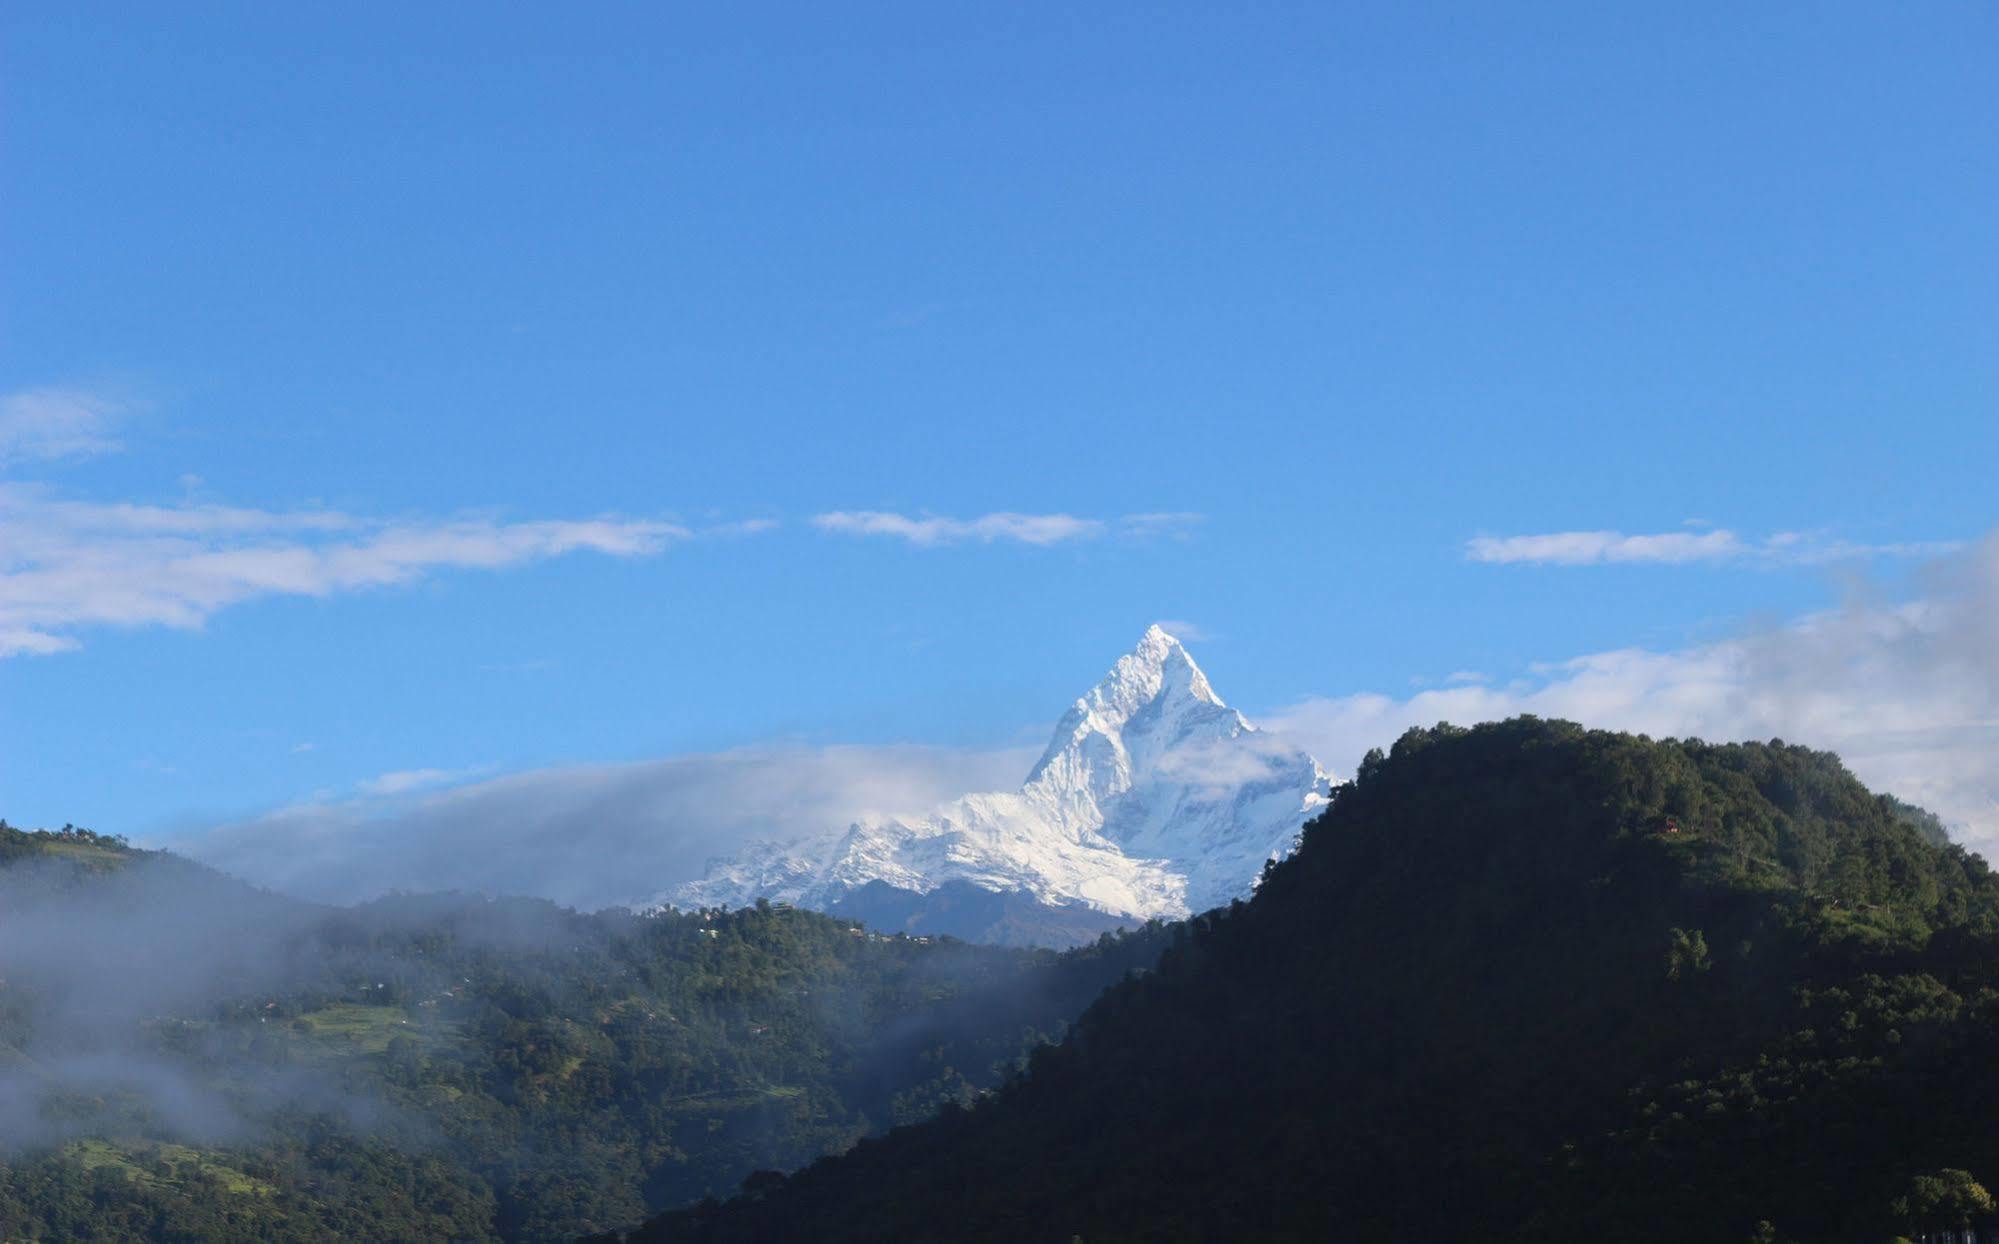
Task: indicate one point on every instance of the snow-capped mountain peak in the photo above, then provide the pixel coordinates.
(1153, 697)
(1160, 665)
(1153, 798)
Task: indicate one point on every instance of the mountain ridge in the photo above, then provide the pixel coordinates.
(1153, 799)
(1522, 982)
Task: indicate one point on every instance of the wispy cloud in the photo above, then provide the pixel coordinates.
(930, 530)
(1595, 548)
(1220, 768)
(1907, 694)
(40, 425)
(66, 566)
(1587, 548)
(404, 781)
(587, 835)
(1040, 529)
(1188, 632)
(741, 527)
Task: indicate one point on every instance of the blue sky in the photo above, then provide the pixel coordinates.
(482, 380)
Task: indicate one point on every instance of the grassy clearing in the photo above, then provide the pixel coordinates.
(86, 853)
(366, 1028)
(139, 1160)
(347, 1029)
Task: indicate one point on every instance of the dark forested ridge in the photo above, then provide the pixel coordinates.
(184, 1057)
(1525, 982)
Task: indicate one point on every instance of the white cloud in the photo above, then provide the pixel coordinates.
(1592, 548)
(1907, 694)
(1584, 548)
(1040, 529)
(16, 641)
(46, 424)
(1185, 631)
(742, 527)
(404, 781)
(589, 835)
(1221, 768)
(69, 565)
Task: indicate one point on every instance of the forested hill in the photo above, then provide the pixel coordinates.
(183, 1057)
(1523, 981)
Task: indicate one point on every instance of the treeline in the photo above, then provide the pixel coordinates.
(1521, 982)
(17, 843)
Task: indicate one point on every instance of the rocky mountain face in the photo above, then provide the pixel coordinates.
(1154, 799)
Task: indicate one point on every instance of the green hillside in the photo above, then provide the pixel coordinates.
(184, 1057)
(1521, 982)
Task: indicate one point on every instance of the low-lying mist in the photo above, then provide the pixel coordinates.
(131, 988)
(587, 1068)
(589, 836)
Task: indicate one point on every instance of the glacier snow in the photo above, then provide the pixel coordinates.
(1154, 799)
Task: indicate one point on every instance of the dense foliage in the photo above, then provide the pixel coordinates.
(1523, 981)
(182, 1057)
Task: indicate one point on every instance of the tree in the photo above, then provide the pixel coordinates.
(1948, 1200)
(1686, 954)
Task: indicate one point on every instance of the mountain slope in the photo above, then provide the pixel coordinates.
(1520, 982)
(1153, 799)
(184, 1057)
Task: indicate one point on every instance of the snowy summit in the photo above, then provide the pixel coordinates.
(1153, 799)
